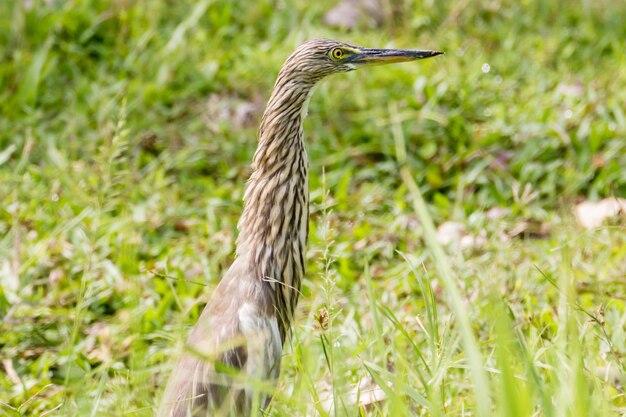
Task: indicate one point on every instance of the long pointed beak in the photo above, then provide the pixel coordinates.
(389, 56)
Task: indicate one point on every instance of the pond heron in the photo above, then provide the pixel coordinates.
(233, 352)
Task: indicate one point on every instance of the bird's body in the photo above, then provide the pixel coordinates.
(238, 340)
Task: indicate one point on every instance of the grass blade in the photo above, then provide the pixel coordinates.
(442, 264)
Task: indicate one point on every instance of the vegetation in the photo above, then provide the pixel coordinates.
(126, 131)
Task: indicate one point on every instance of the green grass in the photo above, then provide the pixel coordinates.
(126, 131)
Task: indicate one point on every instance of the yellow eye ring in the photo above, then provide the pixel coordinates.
(336, 53)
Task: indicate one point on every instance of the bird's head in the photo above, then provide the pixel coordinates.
(318, 58)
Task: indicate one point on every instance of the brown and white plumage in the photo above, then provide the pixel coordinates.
(238, 340)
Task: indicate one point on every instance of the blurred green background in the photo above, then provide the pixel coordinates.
(126, 133)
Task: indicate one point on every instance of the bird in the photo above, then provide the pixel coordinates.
(232, 356)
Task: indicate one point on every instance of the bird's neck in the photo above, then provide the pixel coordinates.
(273, 230)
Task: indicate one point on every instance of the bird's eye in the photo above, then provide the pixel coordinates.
(337, 53)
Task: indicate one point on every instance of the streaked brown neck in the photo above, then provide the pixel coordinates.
(273, 230)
